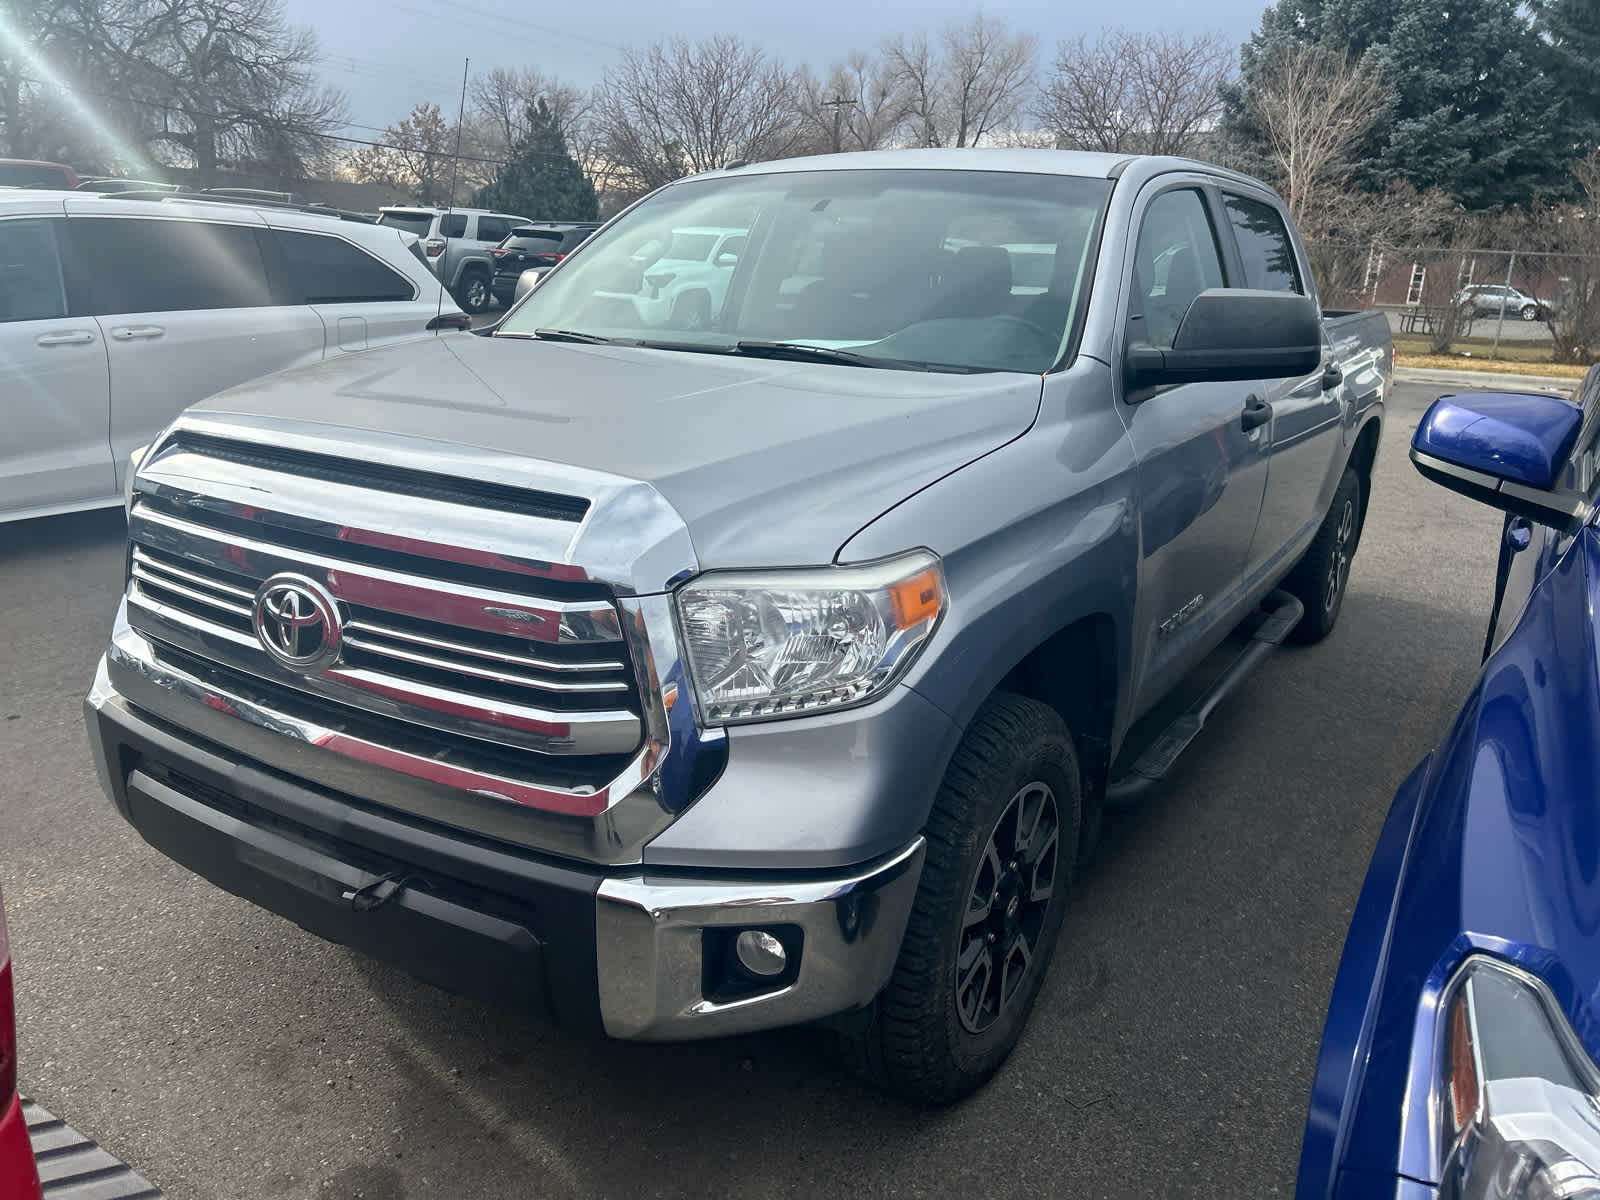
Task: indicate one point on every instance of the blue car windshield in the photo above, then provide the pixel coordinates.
(975, 270)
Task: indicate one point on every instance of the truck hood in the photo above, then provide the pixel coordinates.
(767, 463)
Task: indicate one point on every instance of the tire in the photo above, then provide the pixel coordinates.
(692, 311)
(950, 1013)
(475, 293)
(1320, 578)
(1530, 312)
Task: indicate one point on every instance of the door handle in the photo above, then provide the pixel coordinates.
(128, 333)
(75, 337)
(1332, 377)
(1257, 412)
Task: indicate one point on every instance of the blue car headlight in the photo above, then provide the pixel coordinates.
(1519, 1098)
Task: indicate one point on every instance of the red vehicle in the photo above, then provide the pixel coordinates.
(19, 1176)
(26, 173)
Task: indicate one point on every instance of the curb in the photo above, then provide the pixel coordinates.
(1488, 380)
(73, 1167)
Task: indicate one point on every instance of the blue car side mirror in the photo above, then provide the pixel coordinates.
(1506, 449)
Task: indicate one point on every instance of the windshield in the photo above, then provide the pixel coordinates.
(411, 222)
(972, 270)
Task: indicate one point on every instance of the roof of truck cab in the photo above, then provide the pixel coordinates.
(1083, 164)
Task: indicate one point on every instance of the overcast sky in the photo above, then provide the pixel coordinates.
(390, 54)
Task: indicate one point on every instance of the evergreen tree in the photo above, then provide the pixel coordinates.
(1485, 121)
(541, 179)
(1570, 32)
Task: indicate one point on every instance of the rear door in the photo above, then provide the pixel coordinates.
(362, 300)
(54, 384)
(1201, 473)
(1304, 436)
(186, 309)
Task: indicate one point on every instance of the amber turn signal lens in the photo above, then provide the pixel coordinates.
(917, 599)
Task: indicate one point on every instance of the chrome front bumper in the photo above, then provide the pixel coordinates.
(633, 954)
(652, 940)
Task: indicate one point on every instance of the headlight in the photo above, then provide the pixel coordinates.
(1520, 1099)
(764, 644)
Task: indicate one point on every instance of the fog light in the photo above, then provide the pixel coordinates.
(760, 953)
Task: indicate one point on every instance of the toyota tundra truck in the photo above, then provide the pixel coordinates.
(681, 679)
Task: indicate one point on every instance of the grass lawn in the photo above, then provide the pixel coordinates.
(1472, 354)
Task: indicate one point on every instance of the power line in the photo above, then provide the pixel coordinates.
(167, 107)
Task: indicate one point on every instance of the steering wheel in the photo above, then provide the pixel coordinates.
(1039, 331)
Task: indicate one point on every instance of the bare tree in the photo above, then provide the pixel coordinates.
(1147, 93)
(1348, 240)
(862, 105)
(1566, 269)
(976, 82)
(500, 100)
(415, 156)
(1312, 108)
(207, 82)
(222, 81)
(675, 108)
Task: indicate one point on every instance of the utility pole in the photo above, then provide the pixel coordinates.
(838, 104)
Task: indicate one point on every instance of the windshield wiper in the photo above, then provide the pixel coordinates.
(571, 335)
(802, 352)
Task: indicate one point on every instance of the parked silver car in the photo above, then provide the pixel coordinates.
(116, 314)
(1493, 299)
(456, 243)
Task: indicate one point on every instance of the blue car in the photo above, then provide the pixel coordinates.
(1459, 1057)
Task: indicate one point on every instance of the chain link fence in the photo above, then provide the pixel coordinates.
(1445, 295)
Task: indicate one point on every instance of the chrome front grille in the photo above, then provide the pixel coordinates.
(484, 654)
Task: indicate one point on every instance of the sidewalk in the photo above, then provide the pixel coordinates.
(1487, 381)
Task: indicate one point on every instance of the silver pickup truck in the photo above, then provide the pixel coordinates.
(777, 667)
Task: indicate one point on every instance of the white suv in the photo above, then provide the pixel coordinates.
(456, 242)
(116, 314)
(685, 281)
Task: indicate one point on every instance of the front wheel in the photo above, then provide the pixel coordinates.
(1002, 846)
(1530, 312)
(1318, 581)
(692, 311)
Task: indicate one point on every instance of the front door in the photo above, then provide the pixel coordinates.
(1201, 473)
(54, 394)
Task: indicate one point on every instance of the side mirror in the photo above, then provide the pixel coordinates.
(726, 259)
(1231, 334)
(1506, 449)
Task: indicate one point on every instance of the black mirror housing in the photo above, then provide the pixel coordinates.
(1234, 334)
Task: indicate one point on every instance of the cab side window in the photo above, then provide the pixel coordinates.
(1176, 259)
(167, 265)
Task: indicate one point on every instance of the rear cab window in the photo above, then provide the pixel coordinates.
(1264, 245)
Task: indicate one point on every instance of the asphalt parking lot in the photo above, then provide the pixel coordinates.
(225, 1053)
